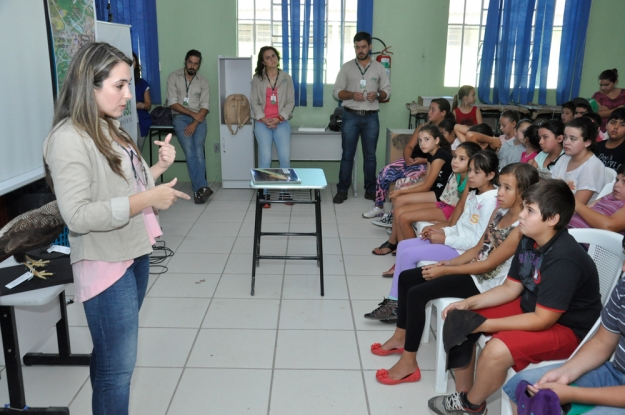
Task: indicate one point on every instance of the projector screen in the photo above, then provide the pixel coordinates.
(26, 95)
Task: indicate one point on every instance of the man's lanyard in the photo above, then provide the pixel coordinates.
(367, 68)
(273, 87)
(188, 85)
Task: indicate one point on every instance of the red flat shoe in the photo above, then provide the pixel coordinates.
(376, 349)
(389, 273)
(382, 377)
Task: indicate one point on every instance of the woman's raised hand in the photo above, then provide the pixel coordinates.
(164, 195)
(166, 152)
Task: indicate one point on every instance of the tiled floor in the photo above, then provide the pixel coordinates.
(207, 347)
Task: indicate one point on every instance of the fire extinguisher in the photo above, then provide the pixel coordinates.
(385, 59)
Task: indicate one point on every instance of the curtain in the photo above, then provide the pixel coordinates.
(141, 16)
(296, 45)
(506, 49)
(365, 16)
(575, 25)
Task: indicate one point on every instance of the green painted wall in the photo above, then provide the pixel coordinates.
(416, 30)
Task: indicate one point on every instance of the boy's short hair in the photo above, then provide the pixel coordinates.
(569, 105)
(580, 102)
(552, 196)
(617, 114)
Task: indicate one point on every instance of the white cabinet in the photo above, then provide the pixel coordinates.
(237, 151)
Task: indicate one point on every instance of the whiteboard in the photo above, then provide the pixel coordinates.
(26, 100)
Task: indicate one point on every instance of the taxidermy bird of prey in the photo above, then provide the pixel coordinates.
(34, 229)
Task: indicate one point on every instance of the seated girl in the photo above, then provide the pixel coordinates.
(446, 128)
(531, 141)
(550, 134)
(443, 244)
(511, 150)
(579, 167)
(464, 108)
(477, 270)
(606, 213)
(440, 211)
(430, 189)
(413, 163)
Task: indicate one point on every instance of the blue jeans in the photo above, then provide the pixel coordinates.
(368, 128)
(603, 376)
(113, 320)
(265, 137)
(193, 148)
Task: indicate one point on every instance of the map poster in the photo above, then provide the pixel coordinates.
(73, 26)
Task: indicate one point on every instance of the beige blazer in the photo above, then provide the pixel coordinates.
(93, 200)
(286, 95)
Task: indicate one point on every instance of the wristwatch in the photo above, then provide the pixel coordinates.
(378, 97)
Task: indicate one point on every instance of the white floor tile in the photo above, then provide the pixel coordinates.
(328, 392)
(217, 229)
(332, 265)
(308, 287)
(79, 339)
(316, 314)
(324, 349)
(368, 264)
(197, 263)
(217, 205)
(213, 216)
(242, 314)
(244, 195)
(173, 312)
(308, 246)
(222, 391)
(368, 287)
(361, 246)
(206, 245)
(163, 347)
(239, 285)
(171, 228)
(242, 263)
(360, 308)
(361, 230)
(184, 285)
(233, 348)
(76, 315)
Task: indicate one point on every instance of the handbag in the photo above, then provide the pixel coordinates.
(544, 402)
(162, 116)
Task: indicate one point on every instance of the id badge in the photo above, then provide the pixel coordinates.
(185, 102)
(273, 100)
(363, 84)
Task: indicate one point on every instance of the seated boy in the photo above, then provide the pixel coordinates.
(611, 152)
(548, 303)
(600, 382)
(568, 112)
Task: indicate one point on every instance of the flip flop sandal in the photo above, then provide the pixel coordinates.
(386, 245)
(389, 273)
(376, 349)
(382, 377)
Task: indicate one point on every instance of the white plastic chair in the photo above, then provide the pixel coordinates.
(607, 189)
(610, 175)
(605, 248)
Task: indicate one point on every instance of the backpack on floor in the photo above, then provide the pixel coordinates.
(236, 111)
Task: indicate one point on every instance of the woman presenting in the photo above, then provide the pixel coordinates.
(107, 198)
(272, 102)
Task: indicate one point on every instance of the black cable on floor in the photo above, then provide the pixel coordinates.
(160, 253)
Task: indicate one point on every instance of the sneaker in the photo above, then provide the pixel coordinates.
(370, 195)
(374, 212)
(386, 221)
(387, 310)
(339, 197)
(454, 404)
(202, 195)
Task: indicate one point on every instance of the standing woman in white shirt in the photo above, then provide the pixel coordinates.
(107, 198)
(272, 102)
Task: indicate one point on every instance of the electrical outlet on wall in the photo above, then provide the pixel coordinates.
(216, 147)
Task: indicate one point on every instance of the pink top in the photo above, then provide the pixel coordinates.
(611, 103)
(525, 158)
(93, 277)
(607, 205)
(271, 110)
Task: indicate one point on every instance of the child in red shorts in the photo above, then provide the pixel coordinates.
(548, 303)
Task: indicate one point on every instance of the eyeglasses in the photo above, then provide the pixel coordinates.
(144, 173)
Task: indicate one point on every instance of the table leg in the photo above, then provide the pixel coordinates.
(15, 378)
(65, 356)
(319, 237)
(257, 229)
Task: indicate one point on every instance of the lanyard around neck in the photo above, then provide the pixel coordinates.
(273, 87)
(188, 84)
(366, 69)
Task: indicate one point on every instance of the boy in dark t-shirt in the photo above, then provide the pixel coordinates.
(611, 152)
(541, 312)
